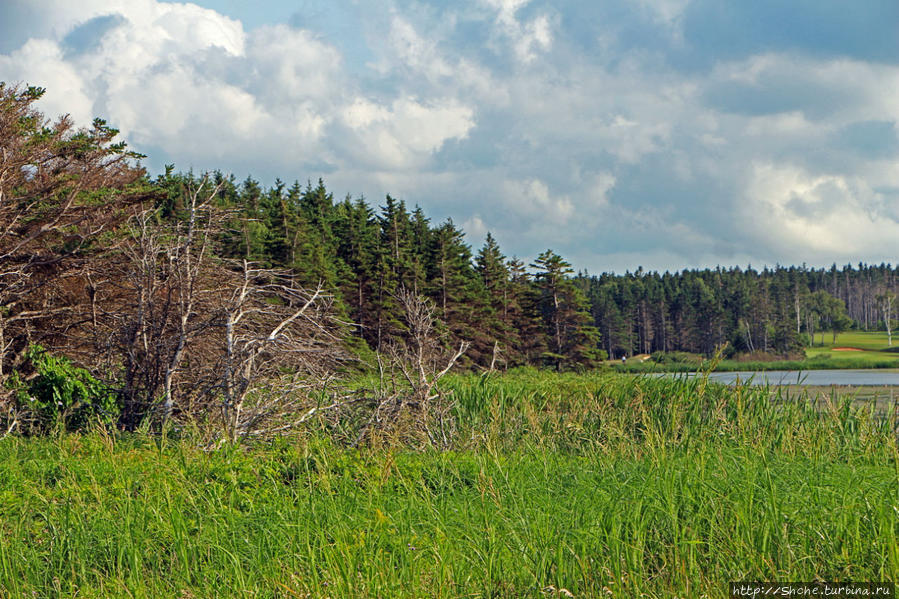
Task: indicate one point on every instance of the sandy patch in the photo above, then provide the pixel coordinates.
(846, 349)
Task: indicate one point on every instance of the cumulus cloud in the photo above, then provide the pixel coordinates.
(425, 60)
(795, 212)
(41, 62)
(192, 81)
(533, 197)
(598, 192)
(475, 227)
(605, 130)
(405, 134)
(527, 38)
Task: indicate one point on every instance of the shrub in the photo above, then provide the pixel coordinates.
(61, 393)
(676, 357)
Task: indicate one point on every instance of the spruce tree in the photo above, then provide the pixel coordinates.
(458, 292)
(573, 340)
(494, 276)
(527, 335)
(357, 247)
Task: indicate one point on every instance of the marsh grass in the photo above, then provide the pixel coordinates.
(601, 485)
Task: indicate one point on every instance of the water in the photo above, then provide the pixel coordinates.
(823, 378)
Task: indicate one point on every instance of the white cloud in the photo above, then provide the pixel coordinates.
(668, 12)
(598, 192)
(40, 62)
(417, 52)
(406, 134)
(798, 213)
(446, 73)
(597, 153)
(836, 90)
(291, 65)
(532, 197)
(475, 227)
(526, 38)
(187, 79)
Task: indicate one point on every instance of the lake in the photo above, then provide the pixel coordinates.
(823, 378)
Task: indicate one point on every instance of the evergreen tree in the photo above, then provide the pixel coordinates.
(363, 258)
(496, 289)
(527, 337)
(319, 262)
(458, 292)
(393, 270)
(357, 247)
(573, 340)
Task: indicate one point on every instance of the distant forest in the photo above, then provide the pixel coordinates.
(540, 312)
(512, 312)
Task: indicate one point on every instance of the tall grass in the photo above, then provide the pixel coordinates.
(600, 485)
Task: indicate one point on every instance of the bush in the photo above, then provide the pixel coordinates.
(61, 393)
(676, 357)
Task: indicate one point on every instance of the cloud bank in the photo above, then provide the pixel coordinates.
(664, 134)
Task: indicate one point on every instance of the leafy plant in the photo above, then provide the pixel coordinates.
(62, 393)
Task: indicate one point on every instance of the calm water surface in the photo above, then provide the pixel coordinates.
(808, 377)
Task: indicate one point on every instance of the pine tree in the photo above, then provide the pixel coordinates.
(357, 247)
(527, 336)
(494, 275)
(315, 249)
(458, 292)
(393, 270)
(573, 340)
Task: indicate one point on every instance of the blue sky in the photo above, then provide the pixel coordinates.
(666, 134)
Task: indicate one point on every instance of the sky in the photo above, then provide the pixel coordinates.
(666, 134)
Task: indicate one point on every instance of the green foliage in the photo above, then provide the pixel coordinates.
(676, 357)
(545, 315)
(572, 338)
(62, 394)
(605, 486)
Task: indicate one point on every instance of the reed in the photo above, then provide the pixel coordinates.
(593, 485)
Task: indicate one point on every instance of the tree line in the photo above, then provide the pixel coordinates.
(774, 310)
(540, 313)
(509, 312)
(188, 292)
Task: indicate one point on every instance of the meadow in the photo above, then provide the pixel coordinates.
(869, 346)
(557, 485)
(850, 350)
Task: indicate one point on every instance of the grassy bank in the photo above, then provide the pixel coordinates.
(865, 340)
(820, 362)
(850, 350)
(599, 485)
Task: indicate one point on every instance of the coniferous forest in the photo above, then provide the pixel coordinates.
(71, 197)
(539, 311)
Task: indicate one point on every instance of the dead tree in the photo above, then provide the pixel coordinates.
(159, 298)
(415, 410)
(279, 342)
(139, 295)
(206, 339)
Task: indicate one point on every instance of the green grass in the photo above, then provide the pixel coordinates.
(603, 485)
(821, 356)
(870, 340)
(875, 352)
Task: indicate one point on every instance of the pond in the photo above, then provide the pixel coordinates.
(822, 378)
